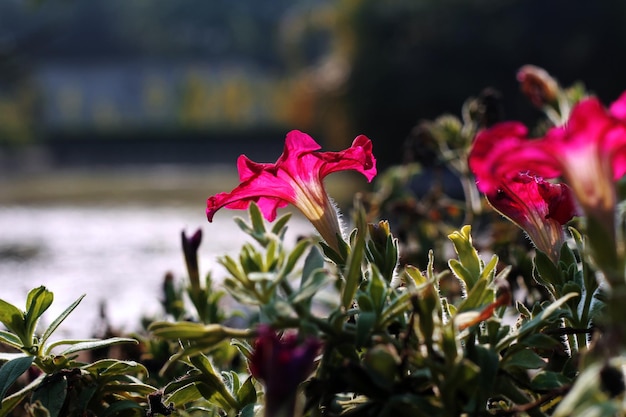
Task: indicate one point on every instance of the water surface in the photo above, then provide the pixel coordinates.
(115, 254)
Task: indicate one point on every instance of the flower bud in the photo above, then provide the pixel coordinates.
(537, 85)
(281, 364)
(190, 250)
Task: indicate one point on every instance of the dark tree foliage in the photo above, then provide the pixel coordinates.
(418, 59)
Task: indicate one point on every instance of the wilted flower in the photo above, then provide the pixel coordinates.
(281, 364)
(539, 86)
(297, 178)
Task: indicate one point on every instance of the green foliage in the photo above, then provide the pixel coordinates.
(393, 342)
(446, 336)
(66, 385)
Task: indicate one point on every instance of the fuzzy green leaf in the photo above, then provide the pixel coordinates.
(247, 393)
(468, 256)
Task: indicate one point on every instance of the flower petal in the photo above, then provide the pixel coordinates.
(503, 151)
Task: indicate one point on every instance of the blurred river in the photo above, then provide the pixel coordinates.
(115, 254)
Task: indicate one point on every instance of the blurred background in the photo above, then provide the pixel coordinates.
(118, 118)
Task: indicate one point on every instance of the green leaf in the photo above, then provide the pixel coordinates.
(550, 313)
(256, 217)
(477, 297)
(51, 393)
(279, 228)
(377, 289)
(313, 261)
(541, 341)
(416, 277)
(13, 400)
(353, 273)
(37, 302)
(364, 325)
(184, 330)
(185, 394)
(13, 318)
(468, 256)
(487, 360)
(125, 388)
(546, 273)
(248, 411)
(213, 396)
(489, 271)
(316, 281)
(97, 344)
(243, 225)
(459, 271)
(294, 256)
(548, 380)
(10, 371)
(117, 408)
(364, 302)
(9, 356)
(56, 322)
(212, 386)
(524, 359)
(10, 339)
(397, 306)
(107, 367)
(244, 347)
(247, 393)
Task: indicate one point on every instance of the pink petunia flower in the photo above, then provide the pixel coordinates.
(297, 178)
(588, 152)
(281, 364)
(538, 207)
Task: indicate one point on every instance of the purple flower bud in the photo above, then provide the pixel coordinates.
(282, 364)
(190, 250)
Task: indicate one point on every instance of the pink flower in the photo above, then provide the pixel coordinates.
(588, 152)
(538, 207)
(297, 178)
(281, 364)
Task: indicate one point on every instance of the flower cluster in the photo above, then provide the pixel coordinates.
(587, 152)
